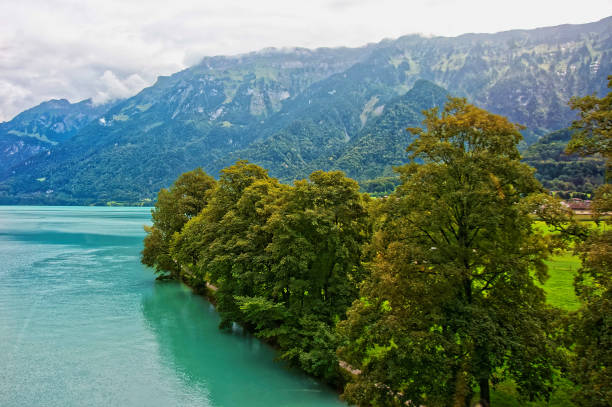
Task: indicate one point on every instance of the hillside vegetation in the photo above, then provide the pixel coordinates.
(569, 175)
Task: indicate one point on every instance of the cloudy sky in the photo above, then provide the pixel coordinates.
(106, 49)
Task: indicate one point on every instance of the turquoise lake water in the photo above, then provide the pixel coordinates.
(83, 323)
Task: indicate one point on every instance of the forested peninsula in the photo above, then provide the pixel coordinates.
(430, 296)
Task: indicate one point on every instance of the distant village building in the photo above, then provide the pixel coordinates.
(579, 206)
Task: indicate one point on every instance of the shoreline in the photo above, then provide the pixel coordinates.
(208, 291)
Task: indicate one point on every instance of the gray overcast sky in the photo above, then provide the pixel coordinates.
(105, 49)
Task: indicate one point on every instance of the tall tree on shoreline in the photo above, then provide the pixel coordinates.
(452, 304)
(174, 207)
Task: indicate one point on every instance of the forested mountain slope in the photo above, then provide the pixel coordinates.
(370, 149)
(38, 129)
(570, 175)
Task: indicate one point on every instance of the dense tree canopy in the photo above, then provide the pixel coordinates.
(285, 260)
(452, 303)
(174, 207)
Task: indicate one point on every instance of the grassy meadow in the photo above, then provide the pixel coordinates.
(560, 285)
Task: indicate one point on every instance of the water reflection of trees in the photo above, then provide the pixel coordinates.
(231, 368)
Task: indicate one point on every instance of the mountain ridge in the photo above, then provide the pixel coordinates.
(38, 129)
(233, 107)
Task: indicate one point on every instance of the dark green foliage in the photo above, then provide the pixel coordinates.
(591, 327)
(448, 304)
(380, 186)
(226, 242)
(317, 234)
(593, 131)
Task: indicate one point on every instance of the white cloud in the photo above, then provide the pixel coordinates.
(109, 87)
(113, 48)
(12, 95)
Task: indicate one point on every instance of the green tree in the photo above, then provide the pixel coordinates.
(235, 260)
(591, 327)
(593, 130)
(452, 304)
(174, 207)
(318, 232)
(225, 242)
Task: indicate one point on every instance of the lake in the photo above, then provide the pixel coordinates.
(82, 322)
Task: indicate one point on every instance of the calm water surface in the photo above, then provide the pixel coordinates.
(83, 323)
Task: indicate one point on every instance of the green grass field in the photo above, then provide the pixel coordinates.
(560, 285)
(562, 269)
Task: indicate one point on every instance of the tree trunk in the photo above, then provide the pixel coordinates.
(485, 396)
(463, 392)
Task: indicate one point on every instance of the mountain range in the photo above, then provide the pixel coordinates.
(296, 110)
(37, 130)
